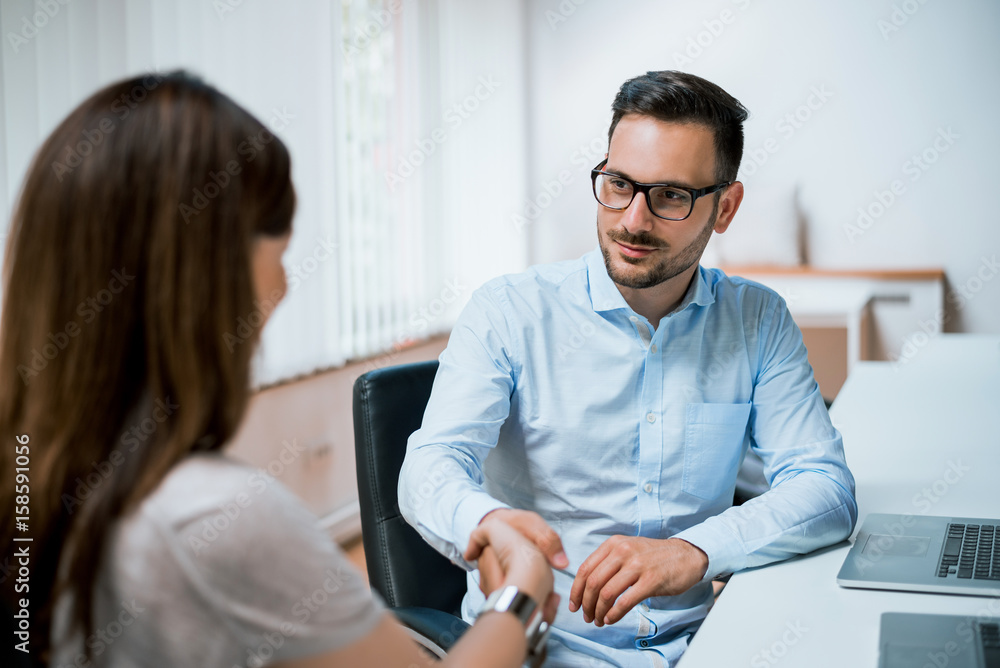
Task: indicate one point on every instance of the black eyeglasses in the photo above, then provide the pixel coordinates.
(664, 200)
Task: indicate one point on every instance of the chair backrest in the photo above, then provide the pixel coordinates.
(389, 406)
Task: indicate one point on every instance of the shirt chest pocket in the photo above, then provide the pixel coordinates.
(714, 435)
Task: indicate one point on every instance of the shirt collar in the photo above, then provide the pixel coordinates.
(605, 296)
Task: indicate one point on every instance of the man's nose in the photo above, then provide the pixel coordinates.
(637, 217)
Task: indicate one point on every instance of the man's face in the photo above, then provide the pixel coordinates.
(641, 250)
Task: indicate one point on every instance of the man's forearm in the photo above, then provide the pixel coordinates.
(803, 513)
(443, 499)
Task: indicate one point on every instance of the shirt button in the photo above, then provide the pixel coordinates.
(644, 643)
(650, 417)
(633, 318)
(648, 487)
(652, 349)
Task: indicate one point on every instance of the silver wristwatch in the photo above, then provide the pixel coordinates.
(536, 630)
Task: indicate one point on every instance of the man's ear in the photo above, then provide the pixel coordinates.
(729, 204)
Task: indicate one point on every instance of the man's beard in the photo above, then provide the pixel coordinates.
(667, 268)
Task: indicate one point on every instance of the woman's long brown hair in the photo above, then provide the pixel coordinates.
(128, 265)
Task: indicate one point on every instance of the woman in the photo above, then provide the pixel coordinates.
(151, 220)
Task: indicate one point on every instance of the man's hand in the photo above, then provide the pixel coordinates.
(644, 567)
(517, 561)
(531, 526)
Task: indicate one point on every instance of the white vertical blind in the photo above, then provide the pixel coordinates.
(405, 199)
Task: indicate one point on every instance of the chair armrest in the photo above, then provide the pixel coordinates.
(434, 630)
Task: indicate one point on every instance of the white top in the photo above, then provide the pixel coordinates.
(221, 566)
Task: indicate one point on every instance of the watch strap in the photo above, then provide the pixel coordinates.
(536, 631)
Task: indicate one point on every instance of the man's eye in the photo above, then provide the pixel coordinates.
(671, 195)
(619, 184)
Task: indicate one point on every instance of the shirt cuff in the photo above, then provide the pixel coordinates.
(469, 513)
(724, 551)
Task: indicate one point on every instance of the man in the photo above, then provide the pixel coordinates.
(602, 406)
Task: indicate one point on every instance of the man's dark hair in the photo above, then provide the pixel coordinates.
(679, 97)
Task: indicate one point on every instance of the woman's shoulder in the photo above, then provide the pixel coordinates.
(211, 503)
(205, 482)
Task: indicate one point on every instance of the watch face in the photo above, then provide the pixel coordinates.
(511, 599)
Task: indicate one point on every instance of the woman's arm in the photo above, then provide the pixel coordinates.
(496, 640)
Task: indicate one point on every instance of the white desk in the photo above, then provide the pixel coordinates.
(904, 427)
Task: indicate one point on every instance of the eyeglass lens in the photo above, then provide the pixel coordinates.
(666, 202)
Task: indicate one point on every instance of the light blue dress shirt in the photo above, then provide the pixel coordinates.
(553, 395)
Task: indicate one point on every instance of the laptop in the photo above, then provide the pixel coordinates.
(948, 555)
(907, 640)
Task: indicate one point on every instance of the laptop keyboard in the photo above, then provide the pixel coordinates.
(971, 551)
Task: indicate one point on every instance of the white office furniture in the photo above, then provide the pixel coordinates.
(921, 438)
(880, 311)
(832, 304)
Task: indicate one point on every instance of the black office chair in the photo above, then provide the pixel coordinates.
(424, 588)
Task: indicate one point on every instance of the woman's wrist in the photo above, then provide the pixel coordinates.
(528, 612)
(535, 580)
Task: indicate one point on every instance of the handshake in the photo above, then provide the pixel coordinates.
(517, 547)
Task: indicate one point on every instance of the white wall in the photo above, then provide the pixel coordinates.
(891, 91)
